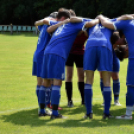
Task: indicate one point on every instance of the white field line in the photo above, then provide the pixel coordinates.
(27, 108)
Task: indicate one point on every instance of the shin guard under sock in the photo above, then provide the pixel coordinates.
(88, 98)
(68, 87)
(107, 99)
(81, 89)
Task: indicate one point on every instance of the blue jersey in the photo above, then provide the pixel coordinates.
(127, 26)
(63, 38)
(99, 36)
(44, 38)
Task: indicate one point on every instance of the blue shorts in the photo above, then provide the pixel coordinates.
(37, 69)
(53, 67)
(116, 63)
(98, 57)
(37, 64)
(130, 72)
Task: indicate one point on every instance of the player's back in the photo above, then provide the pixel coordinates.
(99, 36)
(63, 38)
(44, 38)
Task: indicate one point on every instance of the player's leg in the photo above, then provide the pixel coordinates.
(55, 97)
(42, 96)
(48, 103)
(105, 62)
(101, 82)
(80, 74)
(88, 93)
(39, 83)
(34, 73)
(69, 85)
(106, 92)
(101, 85)
(90, 65)
(130, 92)
(55, 69)
(115, 77)
(116, 88)
(45, 87)
(48, 97)
(69, 75)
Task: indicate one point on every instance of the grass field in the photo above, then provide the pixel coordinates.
(18, 102)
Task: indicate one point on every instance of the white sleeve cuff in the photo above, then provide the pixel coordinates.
(49, 22)
(84, 28)
(115, 28)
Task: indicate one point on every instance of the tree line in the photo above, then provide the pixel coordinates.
(26, 12)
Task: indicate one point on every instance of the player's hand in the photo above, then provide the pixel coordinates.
(99, 16)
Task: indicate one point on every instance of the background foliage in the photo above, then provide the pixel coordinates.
(25, 12)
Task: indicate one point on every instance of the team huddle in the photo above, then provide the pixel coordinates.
(108, 40)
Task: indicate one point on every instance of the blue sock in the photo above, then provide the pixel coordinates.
(37, 90)
(55, 98)
(107, 99)
(116, 89)
(101, 85)
(41, 98)
(88, 97)
(130, 96)
(48, 92)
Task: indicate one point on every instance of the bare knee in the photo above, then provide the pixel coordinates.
(115, 75)
(89, 77)
(68, 77)
(39, 81)
(46, 82)
(57, 82)
(106, 78)
(69, 73)
(80, 73)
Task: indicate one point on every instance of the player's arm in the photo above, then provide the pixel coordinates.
(105, 22)
(92, 23)
(126, 17)
(75, 19)
(54, 27)
(42, 22)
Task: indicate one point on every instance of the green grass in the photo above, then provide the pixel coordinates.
(18, 102)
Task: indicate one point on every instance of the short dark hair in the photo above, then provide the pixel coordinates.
(120, 53)
(114, 37)
(64, 13)
(121, 33)
(53, 15)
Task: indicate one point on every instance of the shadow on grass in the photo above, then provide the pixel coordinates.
(30, 117)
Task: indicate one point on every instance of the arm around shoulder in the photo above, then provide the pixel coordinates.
(92, 23)
(54, 27)
(126, 17)
(42, 22)
(75, 19)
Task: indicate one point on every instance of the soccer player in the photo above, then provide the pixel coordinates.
(115, 39)
(75, 56)
(44, 91)
(127, 27)
(55, 57)
(43, 40)
(98, 55)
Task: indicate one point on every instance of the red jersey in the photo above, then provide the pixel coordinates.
(78, 45)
